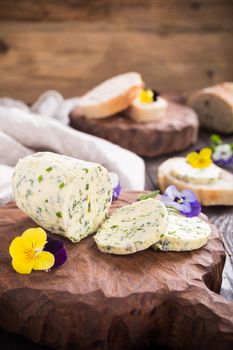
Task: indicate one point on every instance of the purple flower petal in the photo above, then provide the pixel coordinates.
(116, 192)
(185, 201)
(115, 184)
(167, 200)
(224, 163)
(188, 196)
(185, 207)
(56, 247)
(195, 209)
(172, 192)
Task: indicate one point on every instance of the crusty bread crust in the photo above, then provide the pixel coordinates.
(214, 106)
(217, 193)
(129, 86)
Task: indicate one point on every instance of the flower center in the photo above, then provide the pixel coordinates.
(30, 254)
(179, 200)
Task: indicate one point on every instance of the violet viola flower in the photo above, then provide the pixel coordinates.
(116, 185)
(56, 247)
(185, 201)
(223, 155)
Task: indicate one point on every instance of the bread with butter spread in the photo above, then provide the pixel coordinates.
(110, 97)
(212, 188)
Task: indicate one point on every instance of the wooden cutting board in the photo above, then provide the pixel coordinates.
(101, 301)
(175, 132)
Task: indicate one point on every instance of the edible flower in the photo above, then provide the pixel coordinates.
(222, 152)
(33, 251)
(200, 159)
(56, 247)
(115, 185)
(146, 96)
(185, 201)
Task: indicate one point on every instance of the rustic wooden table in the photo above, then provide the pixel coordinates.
(222, 217)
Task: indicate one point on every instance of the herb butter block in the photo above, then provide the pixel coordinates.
(133, 227)
(183, 233)
(64, 195)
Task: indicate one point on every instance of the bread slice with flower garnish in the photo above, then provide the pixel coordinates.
(214, 106)
(147, 106)
(197, 172)
(110, 97)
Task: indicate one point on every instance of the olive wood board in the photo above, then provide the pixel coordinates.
(102, 301)
(176, 131)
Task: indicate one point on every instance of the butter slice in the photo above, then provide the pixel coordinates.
(133, 227)
(146, 112)
(184, 171)
(183, 233)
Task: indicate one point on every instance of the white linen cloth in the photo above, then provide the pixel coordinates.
(42, 127)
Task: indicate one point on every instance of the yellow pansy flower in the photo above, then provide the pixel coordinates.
(200, 160)
(27, 252)
(146, 96)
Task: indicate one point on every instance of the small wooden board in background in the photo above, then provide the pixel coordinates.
(175, 132)
(102, 301)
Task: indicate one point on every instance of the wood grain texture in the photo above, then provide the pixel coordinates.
(176, 15)
(175, 132)
(132, 301)
(73, 45)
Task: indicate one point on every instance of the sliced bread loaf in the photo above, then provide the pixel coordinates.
(110, 97)
(214, 106)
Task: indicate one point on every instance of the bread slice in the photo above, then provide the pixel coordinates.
(110, 97)
(146, 112)
(214, 106)
(216, 193)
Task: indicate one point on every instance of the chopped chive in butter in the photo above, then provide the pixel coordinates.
(86, 170)
(61, 185)
(87, 187)
(59, 214)
(49, 169)
(40, 178)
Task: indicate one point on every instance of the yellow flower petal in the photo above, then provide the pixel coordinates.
(22, 265)
(206, 163)
(146, 96)
(205, 153)
(192, 157)
(44, 261)
(16, 247)
(34, 238)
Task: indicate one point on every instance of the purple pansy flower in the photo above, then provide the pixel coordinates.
(56, 247)
(116, 185)
(223, 155)
(185, 201)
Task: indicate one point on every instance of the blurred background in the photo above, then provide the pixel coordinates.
(70, 46)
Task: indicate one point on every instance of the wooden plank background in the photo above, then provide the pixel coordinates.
(177, 45)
